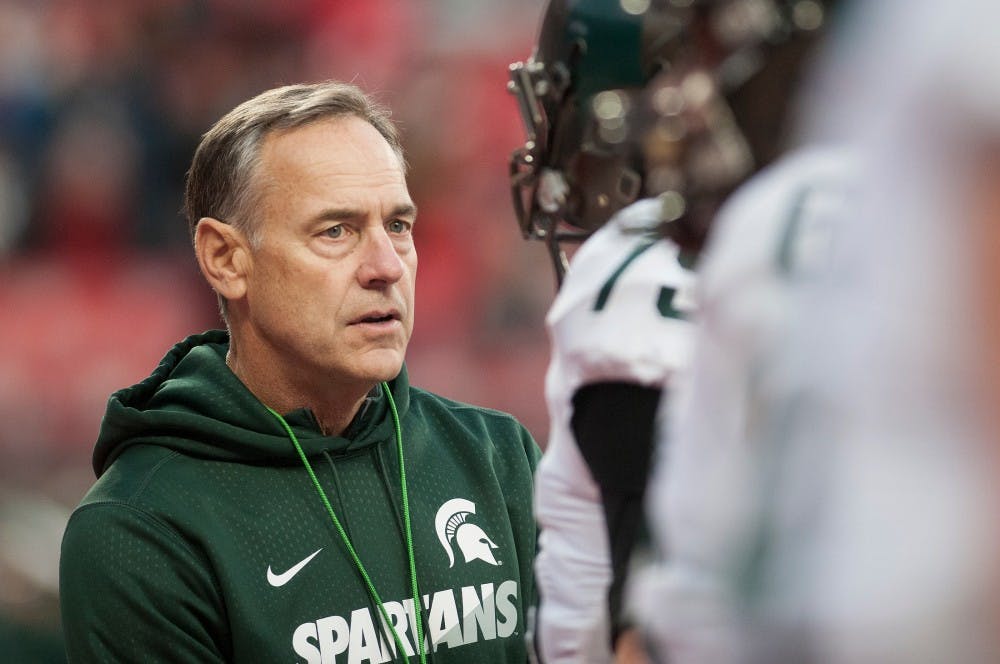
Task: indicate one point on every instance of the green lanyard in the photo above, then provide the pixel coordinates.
(347, 541)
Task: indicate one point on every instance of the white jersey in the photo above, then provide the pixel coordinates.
(904, 545)
(879, 539)
(770, 237)
(617, 317)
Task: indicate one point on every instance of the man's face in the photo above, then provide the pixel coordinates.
(330, 290)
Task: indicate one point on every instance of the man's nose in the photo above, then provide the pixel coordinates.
(381, 263)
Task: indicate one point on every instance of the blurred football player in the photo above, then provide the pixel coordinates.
(637, 130)
(878, 542)
(770, 240)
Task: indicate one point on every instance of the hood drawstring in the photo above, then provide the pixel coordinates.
(335, 477)
(335, 480)
(417, 609)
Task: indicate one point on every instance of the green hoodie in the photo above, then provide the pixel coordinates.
(205, 540)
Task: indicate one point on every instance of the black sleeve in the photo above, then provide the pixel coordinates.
(613, 427)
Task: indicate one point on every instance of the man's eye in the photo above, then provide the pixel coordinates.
(334, 231)
(398, 226)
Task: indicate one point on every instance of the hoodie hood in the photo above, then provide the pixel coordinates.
(194, 404)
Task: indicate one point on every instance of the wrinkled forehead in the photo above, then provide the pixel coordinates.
(344, 151)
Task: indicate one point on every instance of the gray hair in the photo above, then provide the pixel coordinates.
(220, 180)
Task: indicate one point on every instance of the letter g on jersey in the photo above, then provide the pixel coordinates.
(452, 525)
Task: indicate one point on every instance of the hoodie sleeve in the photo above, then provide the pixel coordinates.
(132, 590)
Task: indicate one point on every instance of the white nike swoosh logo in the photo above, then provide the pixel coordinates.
(278, 580)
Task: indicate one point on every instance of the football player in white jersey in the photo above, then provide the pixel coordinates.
(632, 145)
(770, 240)
(879, 537)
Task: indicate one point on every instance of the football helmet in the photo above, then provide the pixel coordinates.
(626, 99)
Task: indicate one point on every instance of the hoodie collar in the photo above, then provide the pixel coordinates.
(193, 403)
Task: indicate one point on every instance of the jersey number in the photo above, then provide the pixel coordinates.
(665, 300)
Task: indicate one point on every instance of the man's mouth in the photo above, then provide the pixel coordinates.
(374, 317)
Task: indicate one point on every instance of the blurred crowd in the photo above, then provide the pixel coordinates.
(102, 103)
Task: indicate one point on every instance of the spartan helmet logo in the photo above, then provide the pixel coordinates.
(451, 524)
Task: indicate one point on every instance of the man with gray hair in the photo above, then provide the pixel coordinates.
(278, 491)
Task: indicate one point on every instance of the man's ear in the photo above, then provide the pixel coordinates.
(224, 257)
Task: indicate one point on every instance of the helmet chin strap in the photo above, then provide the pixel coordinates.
(559, 260)
(549, 233)
(551, 197)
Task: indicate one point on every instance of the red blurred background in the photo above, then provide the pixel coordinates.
(102, 103)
